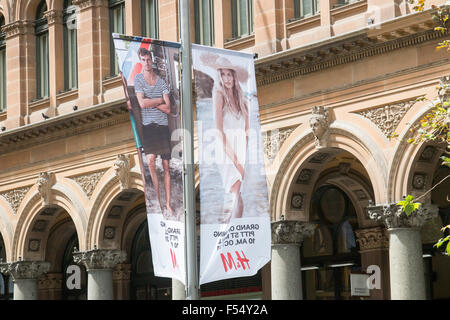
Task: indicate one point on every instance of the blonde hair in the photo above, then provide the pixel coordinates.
(238, 94)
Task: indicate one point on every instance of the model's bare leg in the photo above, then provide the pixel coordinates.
(238, 207)
(151, 158)
(167, 186)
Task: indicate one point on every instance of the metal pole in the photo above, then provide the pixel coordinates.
(192, 287)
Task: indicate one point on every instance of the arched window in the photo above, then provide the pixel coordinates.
(2, 66)
(149, 19)
(41, 32)
(331, 254)
(204, 22)
(116, 25)
(70, 46)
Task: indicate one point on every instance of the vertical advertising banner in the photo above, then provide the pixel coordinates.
(150, 75)
(235, 234)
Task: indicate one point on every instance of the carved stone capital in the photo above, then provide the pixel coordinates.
(21, 270)
(122, 170)
(44, 184)
(320, 123)
(393, 216)
(99, 258)
(53, 16)
(291, 232)
(16, 28)
(372, 238)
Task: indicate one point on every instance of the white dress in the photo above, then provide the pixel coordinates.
(234, 129)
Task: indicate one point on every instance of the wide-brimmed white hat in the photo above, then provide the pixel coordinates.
(218, 62)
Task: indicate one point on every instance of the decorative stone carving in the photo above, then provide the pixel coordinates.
(320, 123)
(428, 154)
(372, 238)
(89, 181)
(297, 200)
(393, 216)
(387, 117)
(344, 168)
(44, 184)
(319, 157)
(17, 28)
(305, 176)
(109, 232)
(122, 170)
(274, 140)
(99, 258)
(34, 245)
(122, 272)
(53, 16)
(291, 232)
(15, 197)
(419, 180)
(20, 270)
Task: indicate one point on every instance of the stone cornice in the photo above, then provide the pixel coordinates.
(85, 120)
(340, 50)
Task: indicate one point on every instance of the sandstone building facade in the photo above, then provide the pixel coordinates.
(336, 79)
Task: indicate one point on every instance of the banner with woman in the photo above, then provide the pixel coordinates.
(235, 234)
(150, 76)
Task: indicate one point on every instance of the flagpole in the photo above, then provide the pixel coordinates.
(192, 287)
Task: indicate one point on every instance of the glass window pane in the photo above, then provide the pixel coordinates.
(149, 23)
(307, 7)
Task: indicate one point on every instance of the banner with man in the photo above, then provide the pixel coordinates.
(150, 74)
(235, 233)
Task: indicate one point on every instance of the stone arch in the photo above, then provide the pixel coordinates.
(133, 221)
(26, 10)
(4, 12)
(299, 149)
(63, 198)
(6, 229)
(102, 202)
(405, 160)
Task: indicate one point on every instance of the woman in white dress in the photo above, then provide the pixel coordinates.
(232, 124)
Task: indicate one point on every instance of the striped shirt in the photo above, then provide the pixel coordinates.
(152, 115)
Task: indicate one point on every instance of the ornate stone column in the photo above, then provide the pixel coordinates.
(99, 264)
(287, 237)
(25, 275)
(374, 250)
(407, 279)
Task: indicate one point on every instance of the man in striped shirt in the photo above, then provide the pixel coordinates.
(152, 93)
